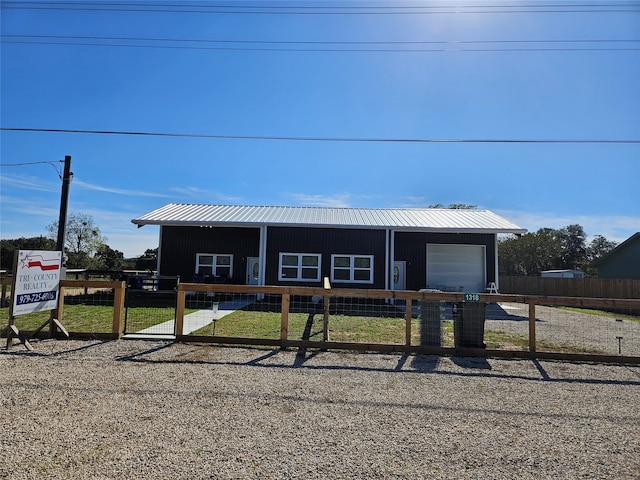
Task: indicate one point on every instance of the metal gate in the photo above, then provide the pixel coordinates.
(150, 305)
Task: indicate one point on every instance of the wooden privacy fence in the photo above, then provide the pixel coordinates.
(571, 287)
(523, 326)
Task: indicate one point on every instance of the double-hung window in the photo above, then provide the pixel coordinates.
(217, 265)
(299, 267)
(352, 268)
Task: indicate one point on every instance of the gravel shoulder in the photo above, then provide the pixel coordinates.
(150, 409)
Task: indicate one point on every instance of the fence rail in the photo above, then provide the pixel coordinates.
(571, 287)
(500, 325)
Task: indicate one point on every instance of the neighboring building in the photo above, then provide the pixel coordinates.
(623, 262)
(562, 274)
(398, 249)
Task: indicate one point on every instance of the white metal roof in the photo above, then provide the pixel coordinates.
(416, 219)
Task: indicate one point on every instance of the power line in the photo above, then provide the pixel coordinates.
(306, 42)
(318, 139)
(235, 9)
(317, 46)
(310, 42)
(355, 6)
(325, 50)
(53, 164)
(26, 163)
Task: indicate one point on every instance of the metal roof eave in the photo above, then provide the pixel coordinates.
(397, 228)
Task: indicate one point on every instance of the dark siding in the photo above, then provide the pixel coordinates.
(623, 262)
(326, 241)
(412, 248)
(180, 244)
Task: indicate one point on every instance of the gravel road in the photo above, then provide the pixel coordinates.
(149, 409)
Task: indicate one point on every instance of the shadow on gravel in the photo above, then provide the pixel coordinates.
(302, 357)
(476, 363)
(419, 363)
(19, 350)
(134, 356)
(497, 312)
(543, 372)
(311, 360)
(472, 367)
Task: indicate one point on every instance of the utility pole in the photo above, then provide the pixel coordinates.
(62, 224)
(64, 201)
(53, 322)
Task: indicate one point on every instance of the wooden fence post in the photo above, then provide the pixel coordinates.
(284, 319)
(180, 313)
(407, 317)
(532, 327)
(59, 311)
(325, 317)
(118, 310)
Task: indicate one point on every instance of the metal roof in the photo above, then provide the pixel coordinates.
(411, 219)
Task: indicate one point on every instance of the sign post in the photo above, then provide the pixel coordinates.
(35, 288)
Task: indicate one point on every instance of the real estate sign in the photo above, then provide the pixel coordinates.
(37, 281)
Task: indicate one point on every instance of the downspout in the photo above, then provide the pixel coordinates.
(495, 274)
(262, 254)
(159, 250)
(386, 260)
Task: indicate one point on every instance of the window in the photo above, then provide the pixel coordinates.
(215, 265)
(299, 267)
(352, 268)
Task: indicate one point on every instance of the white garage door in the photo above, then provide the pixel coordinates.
(450, 267)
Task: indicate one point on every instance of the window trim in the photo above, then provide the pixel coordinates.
(299, 267)
(352, 268)
(214, 265)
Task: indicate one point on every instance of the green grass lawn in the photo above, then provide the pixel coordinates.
(266, 325)
(93, 318)
(342, 328)
(76, 318)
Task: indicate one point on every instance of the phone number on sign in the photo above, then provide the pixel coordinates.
(27, 298)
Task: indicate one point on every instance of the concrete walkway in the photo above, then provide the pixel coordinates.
(194, 321)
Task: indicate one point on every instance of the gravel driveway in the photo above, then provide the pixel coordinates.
(149, 409)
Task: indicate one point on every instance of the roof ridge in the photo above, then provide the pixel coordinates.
(324, 207)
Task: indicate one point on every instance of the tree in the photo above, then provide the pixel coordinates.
(573, 243)
(454, 206)
(9, 246)
(599, 247)
(108, 259)
(148, 261)
(550, 249)
(529, 254)
(82, 239)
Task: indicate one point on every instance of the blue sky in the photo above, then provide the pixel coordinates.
(567, 72)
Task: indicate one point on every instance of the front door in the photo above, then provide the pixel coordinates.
(399, 275)
(253, 271)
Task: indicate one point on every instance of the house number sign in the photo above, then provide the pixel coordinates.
(471, 297)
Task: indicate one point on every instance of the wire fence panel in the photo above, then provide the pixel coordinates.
(572, 330)
(306, 318)
(88, 310)
(233, 315)
(84, 310)
(366, 320)
(556, 327)
(507, 326)
(150, 312)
